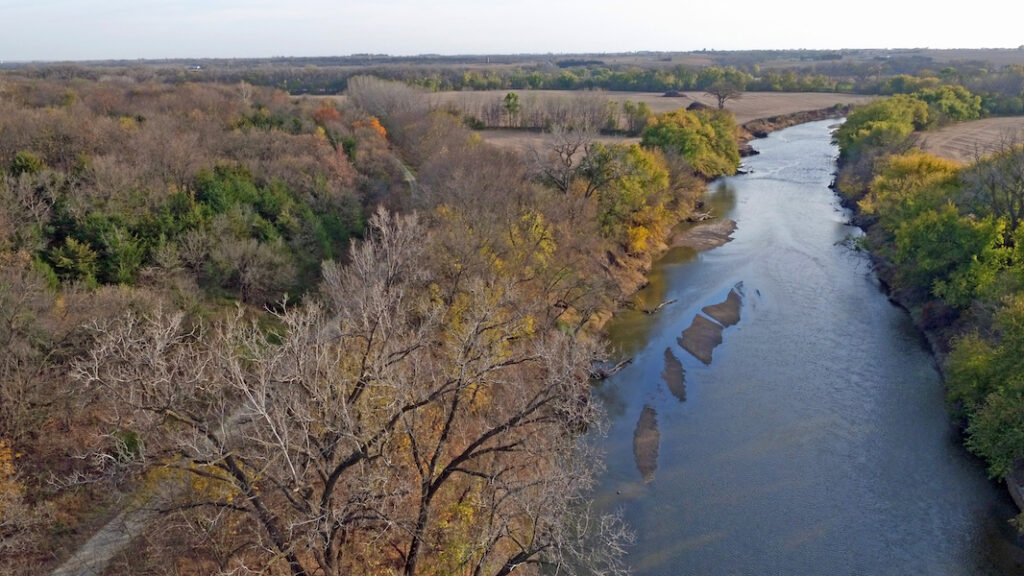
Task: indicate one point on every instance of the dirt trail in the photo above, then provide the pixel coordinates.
(95, 554)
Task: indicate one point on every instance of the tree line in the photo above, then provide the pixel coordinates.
(948, 240)
(1001, 86)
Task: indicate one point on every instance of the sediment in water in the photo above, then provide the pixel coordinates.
(646, 439)
(674, 375)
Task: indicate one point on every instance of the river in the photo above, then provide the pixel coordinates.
(816, 441)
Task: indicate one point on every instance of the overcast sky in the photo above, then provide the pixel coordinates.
(129, 29)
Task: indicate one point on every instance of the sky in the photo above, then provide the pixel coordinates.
(47, 30)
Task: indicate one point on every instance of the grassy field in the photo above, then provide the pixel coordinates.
(751, 106)
(963, 142)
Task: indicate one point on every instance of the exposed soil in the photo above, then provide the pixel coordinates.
(965, 141)
(772, 106)
(701, 338)
(750, 106)
(706, 235)
(727, 313)
(1015, 484)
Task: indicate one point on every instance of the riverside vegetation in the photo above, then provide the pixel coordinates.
(317, 337)
(948, 241)
(347, 336)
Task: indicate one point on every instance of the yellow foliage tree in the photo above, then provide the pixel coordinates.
(908, 185)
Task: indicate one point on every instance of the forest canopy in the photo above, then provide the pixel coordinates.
(324, 334)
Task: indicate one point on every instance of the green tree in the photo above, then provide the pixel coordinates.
(909, 184)
(986, 384)
(955, 257)
(905, 84)
(511, 106)
(882, 124)
(951, 103)
(637, 116)
(125, 256)
(705, 139)
(640, 177)
(74, 260)
(997, 430)
(26, 162)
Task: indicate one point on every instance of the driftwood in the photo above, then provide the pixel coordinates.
(658, 308)
(700, 217)
(601, 373)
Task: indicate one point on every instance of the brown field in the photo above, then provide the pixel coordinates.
(524, 141)
(751, 106)
(965, 141)
(995, 56)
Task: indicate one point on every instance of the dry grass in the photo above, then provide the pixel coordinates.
(525, 141)
(965, 141)
(752, 106)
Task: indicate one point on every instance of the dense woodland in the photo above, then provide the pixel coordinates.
(949, 240)
(316, 337)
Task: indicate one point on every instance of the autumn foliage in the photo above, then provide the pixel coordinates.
(373, 123)
(326, 339)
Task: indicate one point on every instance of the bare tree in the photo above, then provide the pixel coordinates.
(996, 181)
(288, 433)
(385, 98)
(24, 300)
(245, 93)
(575, 157)
(723, 91)
(362, 423)
(26, 205)
(22, 525)
(512, 407)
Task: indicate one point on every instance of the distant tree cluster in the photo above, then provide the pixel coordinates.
(884, 72)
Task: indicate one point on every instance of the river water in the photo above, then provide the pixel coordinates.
(816, 441)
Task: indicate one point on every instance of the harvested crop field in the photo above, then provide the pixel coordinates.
(964, 141)
(751, 106)
(525, 141)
